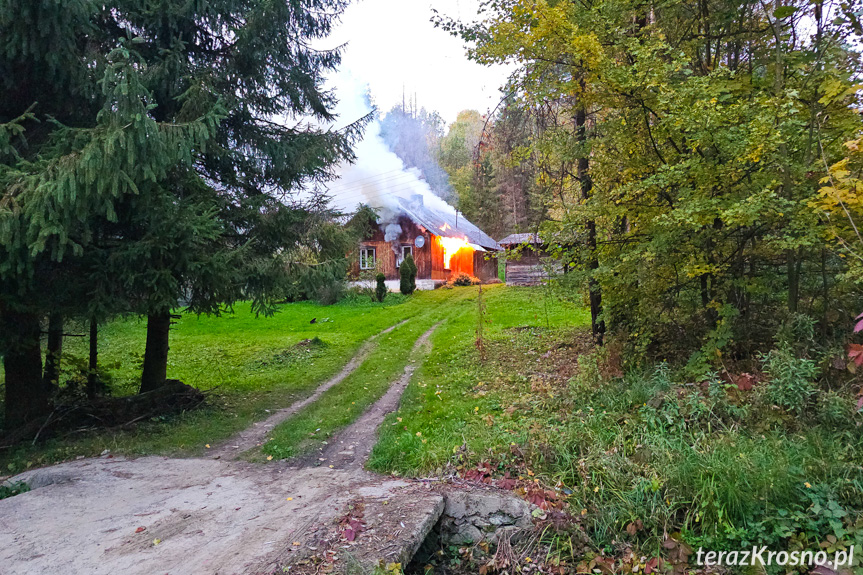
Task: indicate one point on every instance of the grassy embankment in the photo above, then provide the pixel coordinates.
(644, 462)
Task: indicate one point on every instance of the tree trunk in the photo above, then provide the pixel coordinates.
(787, 184)
(705, 290)
(583, 172)
(155, 370)
(793, 280)
(597, 324)
(54, 350)
(27, 396)
(93, 364)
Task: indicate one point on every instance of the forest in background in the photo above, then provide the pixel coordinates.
(481, 164)
(696, 164)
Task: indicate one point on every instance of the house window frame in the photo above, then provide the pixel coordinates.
(365, 251)
(402, 255)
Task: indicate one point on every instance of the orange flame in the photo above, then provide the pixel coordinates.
(450, 247)
(445, 227)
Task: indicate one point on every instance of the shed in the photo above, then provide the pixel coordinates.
(527, 260)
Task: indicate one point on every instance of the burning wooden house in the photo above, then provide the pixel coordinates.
(442, 244)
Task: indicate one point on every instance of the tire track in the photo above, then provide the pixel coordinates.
(352, 446)
(255, 435)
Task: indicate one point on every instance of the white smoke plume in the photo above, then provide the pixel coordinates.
(391, 235)
(378, 177)
(392, 232)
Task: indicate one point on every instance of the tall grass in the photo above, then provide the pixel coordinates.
(688, 458)
(639, 457)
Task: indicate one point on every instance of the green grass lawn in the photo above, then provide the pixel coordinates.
(452, 398)
(249, 366)
(345, 402)
(244, 362)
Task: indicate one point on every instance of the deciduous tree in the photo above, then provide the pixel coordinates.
(688, 134)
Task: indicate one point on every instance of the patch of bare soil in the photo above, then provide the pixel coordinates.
(257, 434)
(151, 515)
(80, 413)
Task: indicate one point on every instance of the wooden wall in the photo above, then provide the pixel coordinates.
(437, 266)
(530, 268)
(485, 269)
(386, 257)
(524, 275)
(462, 262)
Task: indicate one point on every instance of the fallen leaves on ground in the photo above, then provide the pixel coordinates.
(351, 524)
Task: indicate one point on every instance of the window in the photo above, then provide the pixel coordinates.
(367, 258)
(406, 251)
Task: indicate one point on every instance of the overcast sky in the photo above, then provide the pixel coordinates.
(392, 46)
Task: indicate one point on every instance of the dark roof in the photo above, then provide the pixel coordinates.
(515, 239)
(446, 225)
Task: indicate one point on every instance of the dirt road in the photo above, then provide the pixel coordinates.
(112, 515)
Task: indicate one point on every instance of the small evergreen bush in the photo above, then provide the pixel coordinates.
(408, 276)
(381, 289)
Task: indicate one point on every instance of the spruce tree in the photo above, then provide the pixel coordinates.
(148, 152)
(252, 58)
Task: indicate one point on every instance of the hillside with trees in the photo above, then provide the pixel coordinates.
(683, 375)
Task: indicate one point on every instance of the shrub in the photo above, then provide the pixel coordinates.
(408, 276)
(834, 409)
(463, 279)
(792, 378)
(13, 488)
(365, 285)
(330, 293)
(798, 331)
(381, 289)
